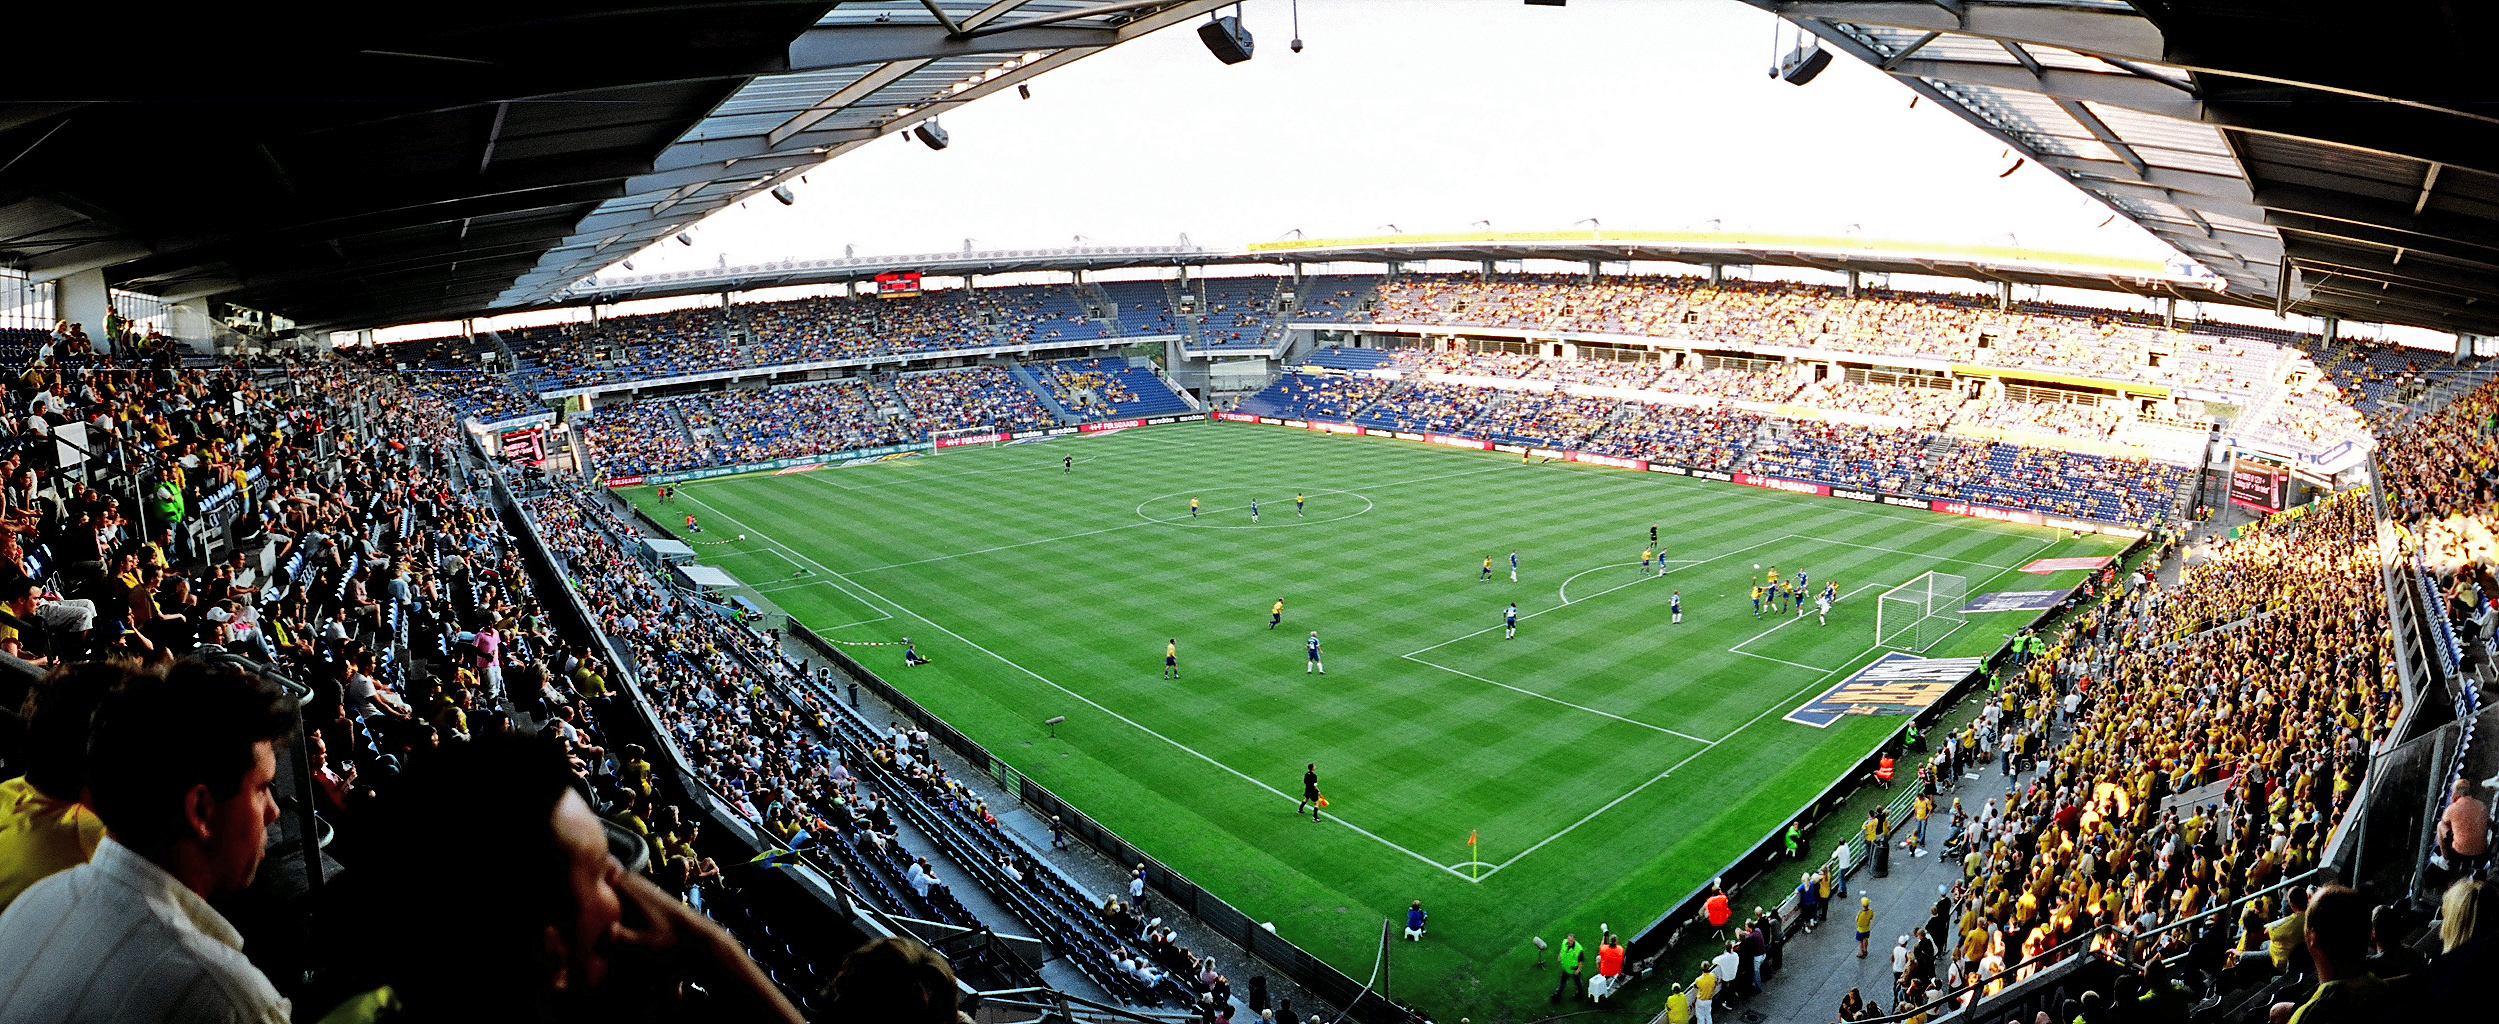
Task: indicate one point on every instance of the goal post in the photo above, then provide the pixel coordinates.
(966, 437)
(1917, 615)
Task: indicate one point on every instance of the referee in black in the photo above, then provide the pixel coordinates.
(1310, 791)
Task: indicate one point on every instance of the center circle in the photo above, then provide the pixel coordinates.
(1227, 508)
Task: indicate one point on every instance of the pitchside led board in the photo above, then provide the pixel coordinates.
(898, 286)
(2259, 483)
(1898, 683)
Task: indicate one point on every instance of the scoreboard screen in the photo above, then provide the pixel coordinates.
(2258, 483)
(528, 444)
(898, 286)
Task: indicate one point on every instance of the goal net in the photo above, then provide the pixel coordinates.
(966, 437)
(1919, 614)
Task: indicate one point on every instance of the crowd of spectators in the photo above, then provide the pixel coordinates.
(1841, 454)
(971, 396)
(2008, 475)
(1920, 405)
(842, 415)
(644, 437)
(1679, 435)
(2267, 668)
(1545, 419)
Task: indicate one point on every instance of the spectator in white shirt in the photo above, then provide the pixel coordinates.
(180, 769)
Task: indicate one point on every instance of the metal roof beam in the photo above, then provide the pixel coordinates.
(2305, 225)
(1903, 53)
(846, 46)
(2123, 34)
(2100, 130)
(2219, 186)
(747, 147)
(2341, 206)
(2126, 91)
(2361, 264)
(2232, 208)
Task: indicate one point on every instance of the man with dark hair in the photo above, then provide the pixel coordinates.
(43, 827)
(896, 980)
(559, 930)
(180, 768)
(2338, 941)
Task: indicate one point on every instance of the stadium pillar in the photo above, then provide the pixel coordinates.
(2004, 296)
(83, 298)
(2169, 312)
(1594, 268)
(1297, 273)
(1852, 284)
(2333, 329)
(1487, 267)
(1717, 274)
(2464, 345)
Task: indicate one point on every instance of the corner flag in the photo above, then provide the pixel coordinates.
(1472, 864)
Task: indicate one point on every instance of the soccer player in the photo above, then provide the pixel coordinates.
(1514, 565)
(1801, 581)
(1171, 659)
(1487, 570)
(1796, 595)
(1310, 786)
(1275, 615)
(1511, 622)
(1757, 592)
(1822, 617)
(1253, 510)
(1299, 501)
(1646, 556)
(1675, 604)
(1193, 508)
(1315, 665)
(1830, 592)
(1069, 462)
(911, 655)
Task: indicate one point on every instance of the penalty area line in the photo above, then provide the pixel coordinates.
(1053, 684)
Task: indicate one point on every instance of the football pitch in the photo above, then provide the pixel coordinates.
(1606, 760)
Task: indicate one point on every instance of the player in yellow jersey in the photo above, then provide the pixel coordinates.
(1299, 502)
(1758, 591)
(1275, 615)
(1171, 659)
(1487, 570)
(1193, 508)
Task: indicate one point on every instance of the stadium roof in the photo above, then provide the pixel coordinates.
(364, 171)
(2327, 158)
(1833, 253)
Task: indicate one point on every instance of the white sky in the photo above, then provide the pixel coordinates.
(1429, 115)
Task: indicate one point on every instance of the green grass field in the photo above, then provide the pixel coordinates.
(1609, 760)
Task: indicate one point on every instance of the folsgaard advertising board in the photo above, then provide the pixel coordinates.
(1950, 508)
(1898, 683)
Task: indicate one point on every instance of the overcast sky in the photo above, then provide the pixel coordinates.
(1429, 115)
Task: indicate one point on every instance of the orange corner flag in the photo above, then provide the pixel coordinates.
(1470, 837)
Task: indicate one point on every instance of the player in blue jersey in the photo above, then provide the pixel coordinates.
(1315, 665)
(1253, 510)
(1514, 566)
(1509, 621)
(1675, 604)
(1831, 592)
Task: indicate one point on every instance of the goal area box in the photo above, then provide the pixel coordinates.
(1917, 615)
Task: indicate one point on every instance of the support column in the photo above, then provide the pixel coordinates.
(2333, 329)
(1717, 273)
(2464, 345)
(2004, 296)
(1852, 284)
(1487, 267)
(2169, 312)
(84, 299)
(1594, 270)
